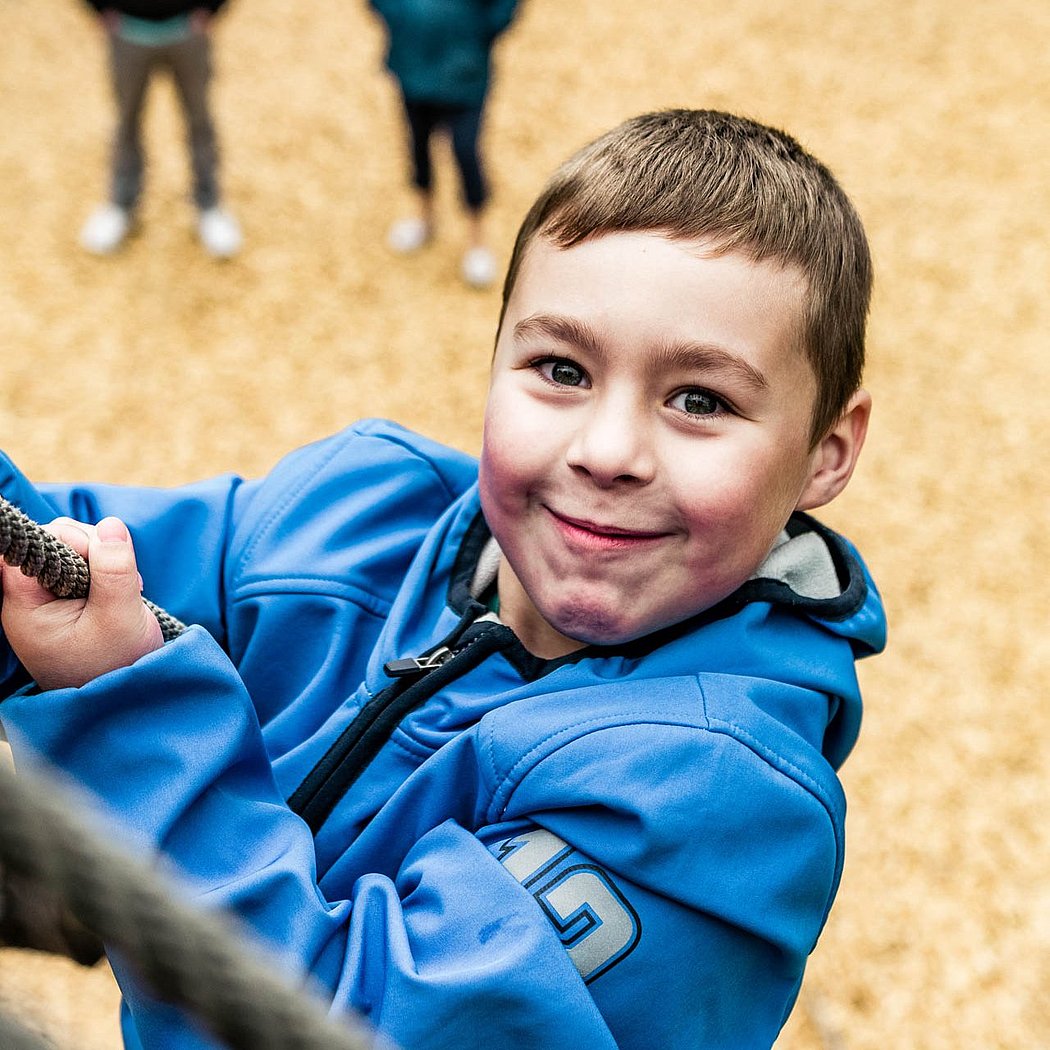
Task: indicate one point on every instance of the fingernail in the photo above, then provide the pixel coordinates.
(112, 530)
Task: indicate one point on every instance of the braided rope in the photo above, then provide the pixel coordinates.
(14, 1036)
(55, 565)
(187, 957)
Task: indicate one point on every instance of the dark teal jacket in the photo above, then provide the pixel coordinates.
(439, 50)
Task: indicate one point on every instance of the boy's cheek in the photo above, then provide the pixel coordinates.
(494, 487)
(504, 494)
(503, 464)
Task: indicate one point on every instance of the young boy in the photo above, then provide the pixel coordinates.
(538, 751)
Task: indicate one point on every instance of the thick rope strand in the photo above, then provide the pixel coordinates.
(185, 956)
(55, 565)
(14, 1036)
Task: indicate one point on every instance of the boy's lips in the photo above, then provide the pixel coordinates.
(603, 534)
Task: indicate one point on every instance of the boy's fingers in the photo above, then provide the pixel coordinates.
(110, 555)
(74, 534)
(22, 590)
(18, 589)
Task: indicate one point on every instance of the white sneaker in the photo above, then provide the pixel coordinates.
(408, 235)
(479, 268)
(106, 229)
(220, 232)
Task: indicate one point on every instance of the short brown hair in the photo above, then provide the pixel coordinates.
(704, 174)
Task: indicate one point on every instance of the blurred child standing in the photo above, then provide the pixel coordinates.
(145, 35)
(440, 54)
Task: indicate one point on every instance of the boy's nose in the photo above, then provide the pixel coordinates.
(612, 445)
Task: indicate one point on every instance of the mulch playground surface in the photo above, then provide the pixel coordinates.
(160, 365)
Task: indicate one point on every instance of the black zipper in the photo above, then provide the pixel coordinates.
(416, 680)
(416, 665)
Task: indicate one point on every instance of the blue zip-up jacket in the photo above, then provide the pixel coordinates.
(440, 50)
(633, 846)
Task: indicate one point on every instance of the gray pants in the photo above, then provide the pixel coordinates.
(189, 61)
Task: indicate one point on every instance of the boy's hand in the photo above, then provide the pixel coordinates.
(66, 642)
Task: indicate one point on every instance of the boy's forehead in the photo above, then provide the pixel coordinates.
(616, 269)
(639, 245)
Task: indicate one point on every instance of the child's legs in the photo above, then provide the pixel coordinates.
(190, 62)
(130, 65)
(464, 125)
(465, 128)
(422, 118)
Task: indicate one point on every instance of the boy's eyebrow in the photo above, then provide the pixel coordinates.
(679, 357)
(564, 329)
(708, 357)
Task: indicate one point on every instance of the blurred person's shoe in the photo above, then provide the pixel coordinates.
(220, 232)
(479, 268)
(408, 235)
(106, 229)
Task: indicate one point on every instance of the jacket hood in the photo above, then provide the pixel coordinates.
(810, 594)
(819, 573)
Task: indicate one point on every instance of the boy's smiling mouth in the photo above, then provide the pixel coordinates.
(598, 536)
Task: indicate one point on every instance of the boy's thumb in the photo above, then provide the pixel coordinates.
(114, 602)
(115, 577)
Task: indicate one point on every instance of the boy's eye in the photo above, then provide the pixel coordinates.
(562, 372)
(697, 403)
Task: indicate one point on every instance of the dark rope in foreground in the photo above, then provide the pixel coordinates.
(193, 959)
(13, 1036)
(31, 548)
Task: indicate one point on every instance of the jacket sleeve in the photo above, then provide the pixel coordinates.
(685, 846)
(215, 553)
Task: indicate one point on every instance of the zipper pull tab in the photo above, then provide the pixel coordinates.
(417, 665)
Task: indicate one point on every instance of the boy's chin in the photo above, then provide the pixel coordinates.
(609, 627)
(590, 626)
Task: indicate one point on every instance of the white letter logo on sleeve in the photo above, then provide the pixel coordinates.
(593, 918)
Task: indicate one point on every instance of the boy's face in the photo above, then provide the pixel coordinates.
(646, 434)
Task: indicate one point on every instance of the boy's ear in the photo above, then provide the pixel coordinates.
(836, 454)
